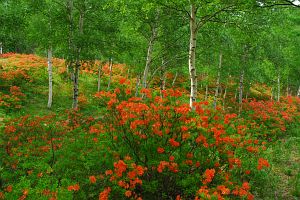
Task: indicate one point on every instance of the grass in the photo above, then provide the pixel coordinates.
(284, 177)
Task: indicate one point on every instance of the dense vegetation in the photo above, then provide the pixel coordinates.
(149, 99)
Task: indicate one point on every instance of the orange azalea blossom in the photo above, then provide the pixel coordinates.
(108, 172)
(131, 175)
(209, 175)
(262, 163)
(160, 150)
(128, 193)
(120, 167)
(2, 195)
(123, 184)
(92, 179)
(9, 188)
(105, 194)
(174, 143)
(224, 190)
(75, 187)
(246, 186)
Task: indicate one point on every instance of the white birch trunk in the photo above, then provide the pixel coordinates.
(278, 87)
(287, 87)
(149, 56)
(241, 87)
(206, 92)
(1, 48)
(99, 77)
(137, 86)
(174, 80)
(77, 66)
(50, 77)
(110, 74)
(218, 80)
(298, 93)
(224, 97)
(271, 93)
(192, 54)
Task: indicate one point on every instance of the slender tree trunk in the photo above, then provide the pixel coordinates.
(206, 92)
(128, 73)
(76, 85)
(287, 87)
(149, 55)
(50, 77)
(110, 74)
(162, 77)
(1, 48)
(298, 93)
(174, 80)
(99, 77)
(271, 94)
(69, 64)
(278, 87)
(218, 80)
(224, 97)
(77, 66)
(241, 87)
(192, 54)
(137, 86)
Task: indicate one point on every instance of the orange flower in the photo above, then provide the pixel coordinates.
(160, 150)
(246, 186)
(128, 193)
(262, 163)
(140, 170)
(131, 174)
(9, 188)
(75, 187)
(223, 189)
(104, 194)
(209, 175)
(108, 172)
(174, 143)
(92, 179)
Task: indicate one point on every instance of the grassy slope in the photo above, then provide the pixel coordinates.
(284, 179)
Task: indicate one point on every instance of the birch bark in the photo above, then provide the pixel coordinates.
(192, 54)
(50, 77)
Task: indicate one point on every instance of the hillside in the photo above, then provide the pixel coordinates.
(120, 146)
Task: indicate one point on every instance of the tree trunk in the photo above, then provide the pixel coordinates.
(137, 86)
(162, 77)
(50, 77)
(110, 74)
(174, 80)
(192, 55)
(224, 97)
(1, 48)
(99, 77)
(69, 64)
(298, 93)
(76, 85)
(149, 55)
(241, 87)
(271, 93)
(287, 87)
(278, 87)
(77, 66)
(218, 80)
(206, 92)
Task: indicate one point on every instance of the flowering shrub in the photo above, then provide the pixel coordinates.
(13, 100)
